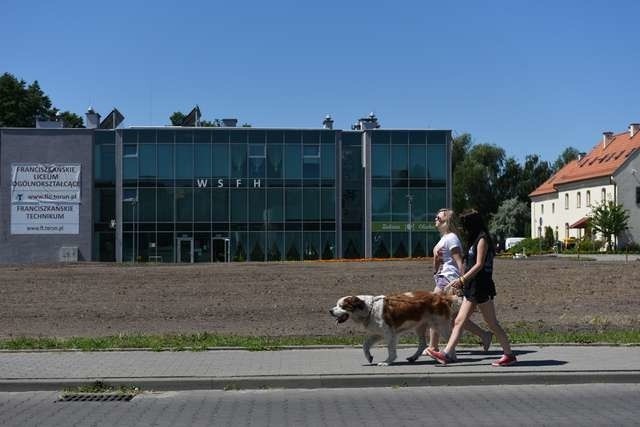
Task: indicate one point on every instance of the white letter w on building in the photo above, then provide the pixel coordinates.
(202, 183)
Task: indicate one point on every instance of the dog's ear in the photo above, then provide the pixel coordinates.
(353, 304)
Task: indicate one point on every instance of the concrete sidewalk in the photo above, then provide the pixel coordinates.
(326, 367)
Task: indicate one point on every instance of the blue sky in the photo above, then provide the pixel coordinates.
(533, 77)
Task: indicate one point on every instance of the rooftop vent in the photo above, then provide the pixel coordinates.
(229, 123)
(92, 119)
(44, 122)
(607, 137)
(327, 123)
(634, 128)
(367, 123)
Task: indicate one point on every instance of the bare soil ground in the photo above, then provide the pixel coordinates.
(292, 299)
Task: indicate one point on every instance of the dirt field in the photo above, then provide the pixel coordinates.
(279, 299)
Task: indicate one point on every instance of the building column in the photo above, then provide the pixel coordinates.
(366, 164)
(118, 196)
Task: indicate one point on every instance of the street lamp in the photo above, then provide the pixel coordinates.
(133, 202)
(409, 201)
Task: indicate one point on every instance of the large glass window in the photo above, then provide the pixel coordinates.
(380, 161)
(418, 161)
(203, 161)
(238, 160)
(437, 164)
(292, 161)
(311, 204)
(184, 161)
(399, 205)
(105, 163)
(436, 200)
(147, 204)
(165, 204)
(328, 161)
(238, 205)
(274, 161)
(257, 157)
(220, 157)
(275, 204)
(184, 204)
(257, 206)
(293, 245)
(220, 205)
(202, 205)
(148, 161)
(311, 161)
(399, 165)
(381, 204)
(328, 204)
(165, 161)
(293, 204)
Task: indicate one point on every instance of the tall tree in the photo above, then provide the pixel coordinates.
(534, 173)
(569, 154)
(475, 179)
(177, 118)
(510, 220)
(610, 219)
(20, 104)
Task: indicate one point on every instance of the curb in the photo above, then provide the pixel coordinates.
(330, 381)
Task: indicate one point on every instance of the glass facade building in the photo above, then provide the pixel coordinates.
(177, 194)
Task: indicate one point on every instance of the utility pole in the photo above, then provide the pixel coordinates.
(409, 201)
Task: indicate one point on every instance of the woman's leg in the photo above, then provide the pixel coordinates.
(466, 309)
(489, 314)
(434, 336)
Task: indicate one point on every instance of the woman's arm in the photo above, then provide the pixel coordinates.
(456, 254)
(475, 268)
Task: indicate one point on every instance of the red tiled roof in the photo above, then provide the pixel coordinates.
(602, 160)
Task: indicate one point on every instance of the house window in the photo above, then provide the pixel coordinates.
(637, 195)
(566, 201)
(541, 209)
(588, 201)
(553, 208)
(578, 199)
(566, 230)
(603, 195)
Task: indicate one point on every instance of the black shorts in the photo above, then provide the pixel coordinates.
(479, 292)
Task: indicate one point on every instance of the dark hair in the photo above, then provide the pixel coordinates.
(473, 225)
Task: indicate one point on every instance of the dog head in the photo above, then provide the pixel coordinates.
(349, 306)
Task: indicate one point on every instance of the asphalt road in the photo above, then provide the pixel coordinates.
(570, 405)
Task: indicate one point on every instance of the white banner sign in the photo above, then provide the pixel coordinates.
(45, 198)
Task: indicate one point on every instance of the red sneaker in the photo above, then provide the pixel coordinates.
(505, 360)
(440, 356)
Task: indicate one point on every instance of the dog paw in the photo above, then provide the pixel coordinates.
(383, 364)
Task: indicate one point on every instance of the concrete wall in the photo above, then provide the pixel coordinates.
(45, 146)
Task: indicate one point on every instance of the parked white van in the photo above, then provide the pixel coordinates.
(511, 242)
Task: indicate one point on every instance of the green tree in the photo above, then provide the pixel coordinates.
(20, 105)
(510, 220)
(476, 179)
(177, 118)
(569, 154)
(610, 219)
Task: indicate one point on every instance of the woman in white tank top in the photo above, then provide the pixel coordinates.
(447, 267)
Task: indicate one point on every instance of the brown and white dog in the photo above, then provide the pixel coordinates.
(386, 316)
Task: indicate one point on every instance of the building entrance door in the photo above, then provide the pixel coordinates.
(220, 249)
(185, 249)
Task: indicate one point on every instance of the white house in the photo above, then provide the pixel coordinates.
(610, 171)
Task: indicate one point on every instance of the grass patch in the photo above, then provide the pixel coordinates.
(519, 334)
(102, 387)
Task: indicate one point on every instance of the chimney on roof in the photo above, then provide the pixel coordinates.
(327, 123)
(606, 138)
(92, 119)
(229, 123)
(633, 129)
(581, 156)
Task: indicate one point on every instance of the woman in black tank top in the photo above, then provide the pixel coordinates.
(478, 288)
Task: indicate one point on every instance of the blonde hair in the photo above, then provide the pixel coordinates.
(449, 220)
